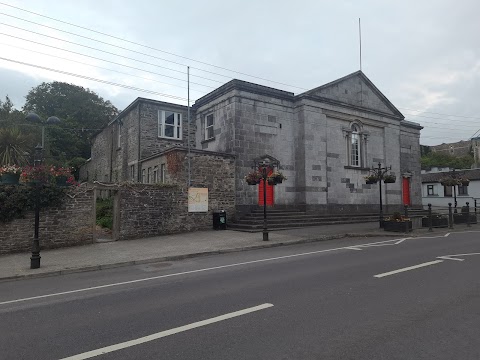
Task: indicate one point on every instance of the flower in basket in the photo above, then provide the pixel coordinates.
(10, 169)
(63, 175)
(389, 179)
(253, 178)
(397, 217)
(36, 174)
(371, 179)
(276, 177)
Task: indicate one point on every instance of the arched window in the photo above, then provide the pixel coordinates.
(355, 146)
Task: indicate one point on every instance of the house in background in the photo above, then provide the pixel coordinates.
(433, 192)
(325, 140)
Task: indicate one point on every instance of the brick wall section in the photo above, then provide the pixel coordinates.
(68, 225)
(151, 210)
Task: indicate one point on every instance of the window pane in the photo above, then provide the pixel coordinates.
(210, 132)
(178, 133)
(178, 119)
(169, 130)
(209, 120)
(169, 118)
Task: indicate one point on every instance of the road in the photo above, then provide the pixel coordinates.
(341, 299)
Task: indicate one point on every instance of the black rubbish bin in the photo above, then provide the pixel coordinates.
(220, 220)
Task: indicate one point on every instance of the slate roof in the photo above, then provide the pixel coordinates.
(471, 174)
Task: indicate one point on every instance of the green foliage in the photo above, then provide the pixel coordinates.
(13, 147)
(81, 110)
(446, 160)
(104, 213)
(16, 199)
(75, 164)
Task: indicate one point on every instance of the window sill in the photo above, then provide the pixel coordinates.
(170, 139)
(434, 195)
(356, 168)
(208, 140)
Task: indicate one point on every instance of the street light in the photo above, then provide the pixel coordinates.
(380, 172)
(37, 161)
(265, 166)
(32, 117)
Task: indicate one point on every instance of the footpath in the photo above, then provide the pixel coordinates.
(179, 246)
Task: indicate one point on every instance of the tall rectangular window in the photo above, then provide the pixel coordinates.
(155, 174)
(355, 150)
(170, 125)
(162, 173)
(149, 175)
(132, 173)
(119, 134)
(143, 176)
(209, 127)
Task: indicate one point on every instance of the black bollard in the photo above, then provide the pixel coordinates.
(430, 220)
(450, 216)
(468, 214)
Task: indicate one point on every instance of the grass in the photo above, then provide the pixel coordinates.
(105, 213)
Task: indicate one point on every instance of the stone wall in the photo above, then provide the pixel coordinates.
(156, 209)
(68, 225)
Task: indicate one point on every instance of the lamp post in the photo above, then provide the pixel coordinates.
(380, 172)
(37, 161)
(265, 166)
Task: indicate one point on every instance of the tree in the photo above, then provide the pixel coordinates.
(446, 160)
(81, 110)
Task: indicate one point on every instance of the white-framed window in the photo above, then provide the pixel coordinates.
(169, 125)
(143, 176)
(119, 134)
(149, 175)
(431, 190)
(162, 173)
(355, 146)
(209, 121)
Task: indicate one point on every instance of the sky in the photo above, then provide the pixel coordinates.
(424, 56)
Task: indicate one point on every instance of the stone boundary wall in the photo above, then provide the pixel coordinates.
(144, 210)
(68, 225)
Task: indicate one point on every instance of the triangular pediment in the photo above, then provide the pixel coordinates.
(355, 90)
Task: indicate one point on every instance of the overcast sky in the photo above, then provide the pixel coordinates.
(423, 55)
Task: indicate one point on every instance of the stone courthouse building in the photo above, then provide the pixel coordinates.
(325, 140)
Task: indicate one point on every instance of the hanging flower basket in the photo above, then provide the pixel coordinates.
(62, 175)
(276, 178)
(36, 175)
(389, 179)
(449, 181)
(253, 178)
(371, 179)
(10, 174)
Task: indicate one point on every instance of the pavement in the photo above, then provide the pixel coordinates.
(351, 298)
(106, 255)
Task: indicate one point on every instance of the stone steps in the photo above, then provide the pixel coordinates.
(292, 225)
(291, 218)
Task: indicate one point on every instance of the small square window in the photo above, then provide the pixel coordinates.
(170, 125)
